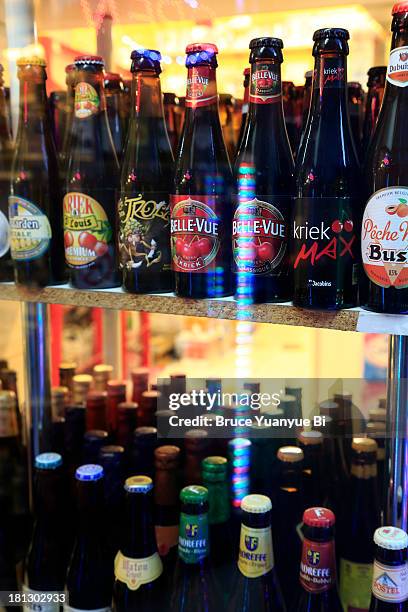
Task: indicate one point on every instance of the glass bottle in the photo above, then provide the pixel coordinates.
(390, 581)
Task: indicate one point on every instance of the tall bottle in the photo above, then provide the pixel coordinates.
(70, 102)
(390, 576)
(325, 231)
(264, 173)
(245, 106)
(6, 154)
(257, 586)
(376, 85)
(384, 225)
(35, 209)
(90, 574)
(307, 96)
(318, 590)
(201, 204)
(355, 95)
(311, 443)
(144, 240)
(92, 181)
(167, 506)
(138, 567)
(170, 104)
(361, 519)
(192, 585)
(113, 90)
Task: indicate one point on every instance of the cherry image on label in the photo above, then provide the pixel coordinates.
(201, 89)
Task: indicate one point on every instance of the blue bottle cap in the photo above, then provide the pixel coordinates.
(48, 461)
(88, 472)
(138, 484)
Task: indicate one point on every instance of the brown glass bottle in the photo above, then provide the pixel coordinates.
(167, 506)
(91, 186)
(170, 105)
(144, 239)
(226, 110)
(201, 204)
(69, 107)
(245, 106)
(35, 208)
(375, 94)
(6, 154)
(113, 91)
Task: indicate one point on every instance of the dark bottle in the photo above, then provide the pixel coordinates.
(112, 459)
(140, 383)
(47, 559)
(142, 452)
(257, 586)
(377, 431)
(360, 520)
(170, 105)
(196, 445)
(245, 106)
(325, 231)
(311, 443)
(147, 409)
(35, 208)
(138, 566)
(127, 421)
(93, 442)
(166, 499)
(335, 471)
(144, 241)
(375, 94)
(92, 181)
(90, 574)
(116, 390)
(289, 111)
(390, 584)
(192, 584)
(113, 91)
(75, 425)
(66, 372)
(69, 109)
(57, 103)
(201, 204)
(383, 239)
(307, 97)
(356, 110)
(96, 410)
(265, 184)
(8, 577)
(102, 373)
(318, 590)
(6, 154)
(226, 112)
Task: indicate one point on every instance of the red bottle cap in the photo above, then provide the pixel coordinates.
(197, 47)
(318, 517)
(89, 59)
(400, 7)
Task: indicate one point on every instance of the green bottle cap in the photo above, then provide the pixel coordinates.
(194, 494)
(214, 468)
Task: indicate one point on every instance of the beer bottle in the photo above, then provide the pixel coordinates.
(166, 498)
(70, 101)
(390, 579)
(116, 390)
(35, 202)
(311, 443)
(93, 442)
(265, 182)
(112, 459)
(82, 384)
(144, 240)
(376, 86)
(170, 104)
(138, 566)
(307, 96)
(127, 420)
(102, 373)
(46, 563)
(245, 107)
(192, 584)
(6, 154)
(90, 574)
(385, 288)
(355, 103)
(75, 425)
(289, 111)
(196, 445)
(361, 519)
(57, 104)
(147, 408)
(325, 231)
(140, 383)
(257, 586)
(8, 577)
(92, 180)
(377, 430)
(96, 410)
(113, 91)
(318, 590)
(142, 452)
(201, 205)
(226, 111)
(66, 372)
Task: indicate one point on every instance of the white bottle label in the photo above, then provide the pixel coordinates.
(397, 72)
(390, 583)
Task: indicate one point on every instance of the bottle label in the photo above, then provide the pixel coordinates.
(87, 101)
(30, 230)
(195, 233)
(144, 235)
(331, 75)
(135, 572)
(4, 234)
(201, 87)
(37, 601)
(259, 237)
(166, 538)
(397, 72)
(384, 237)
(8, 422)
(355, 585)
(87, 231)
(324, 243)
(193, 543)
(317, 566)
(266, 86)
(390, 583)
(255, 557)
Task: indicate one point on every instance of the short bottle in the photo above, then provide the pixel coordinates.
(390, 574)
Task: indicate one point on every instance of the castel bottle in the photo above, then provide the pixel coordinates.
(138, 567)
(390, 572)
(6, 155)
(35, 208)
(90, 574)
(91, 185)
(318, 590)
(376, 85)
(144, 239)
(264, 173)
(325, 231)
(385, 219)
(257, 586)
(201, 204)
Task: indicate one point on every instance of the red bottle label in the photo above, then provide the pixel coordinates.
(195, 233)
(332, 73)
(201, 86)
(318, 566)
(266, 86)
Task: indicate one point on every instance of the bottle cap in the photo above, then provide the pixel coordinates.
(364, 445)
(290, 454)
(331, 33)
(167, 452)
(194, 494)
(266, 41)
(400, 7)
(204, 48)
(145, 432)
(391, 538)
(68, 365)
(96, 60)
(112, 450)
(138, 484)
(319, 517)
(7, 397)
(145, 59)
(89, 472)
(214, 468)
(312, 437)
(82, 379)
(48, 461)
(328, 406)
(104, 368)
(96, 434)
(31, 61)
(256, 504)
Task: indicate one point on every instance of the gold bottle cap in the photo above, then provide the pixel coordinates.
(290, 454)
(311, 438)
(364, 445)
(34, 60)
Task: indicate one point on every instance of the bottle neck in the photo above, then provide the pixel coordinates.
(146, 96)
(218, 498)
(193, 546)
(138, 536)
(255, 557)
(318, 561)
(265, 89)
(201, 94)
(33, 103)
(329, 93)
(90, 501)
